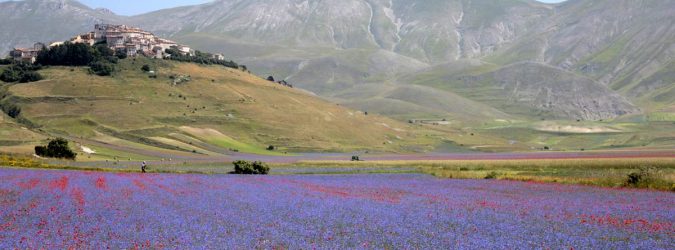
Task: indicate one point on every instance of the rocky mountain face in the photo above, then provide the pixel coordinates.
(584, 59)
(26, 22)
(430, 31)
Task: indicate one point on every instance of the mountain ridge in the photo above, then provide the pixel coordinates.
(334, 47)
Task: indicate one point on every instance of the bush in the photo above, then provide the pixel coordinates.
(12, 110)
(101, 68)
(30, 76)
(270, 148)
(145, 68)
(10, 75)
(491, 175)
(121, 54)
(21, 72)
(6, 61)
(57, 148)
(250, 168)
(356, 158)
(642, 178)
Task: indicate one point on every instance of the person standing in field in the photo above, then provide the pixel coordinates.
(143, 165)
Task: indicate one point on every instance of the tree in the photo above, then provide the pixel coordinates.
(57, 148)
(103, 50)
(71, 54)
(250, 168)
(270, 78)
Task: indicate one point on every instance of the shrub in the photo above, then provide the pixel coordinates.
(57, 148)
(145, 68)
(12, 110)
(642, 178)
(270, 148)
(10, 75)
(101, 68)
(356, 158)
(121, 54)
(491, 175)
(30, 76)
(250, 168)
(21, 72)
(6, 61)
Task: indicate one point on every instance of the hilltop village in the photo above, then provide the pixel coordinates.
(122, 39)
(119, 40)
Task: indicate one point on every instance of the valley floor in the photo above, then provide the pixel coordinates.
(655, 169)
(77, 209)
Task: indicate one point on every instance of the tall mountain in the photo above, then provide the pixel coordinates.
(584, 59)
(429, 31)
(26, 22)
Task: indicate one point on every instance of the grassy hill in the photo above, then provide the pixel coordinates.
(217, 111)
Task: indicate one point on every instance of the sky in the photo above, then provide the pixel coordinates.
(134, 7)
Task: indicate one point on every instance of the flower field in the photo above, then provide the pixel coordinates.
(95, 210)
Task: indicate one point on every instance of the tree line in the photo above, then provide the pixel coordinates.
(199, 57)
(99, 57)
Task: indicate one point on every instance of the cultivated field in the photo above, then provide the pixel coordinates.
(74, 209)
(648, 170)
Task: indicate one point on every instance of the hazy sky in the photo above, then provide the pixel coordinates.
(133, 7)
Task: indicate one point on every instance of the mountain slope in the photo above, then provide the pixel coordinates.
(337, 48)
(618, 43)
(531, 90)
(27, 22)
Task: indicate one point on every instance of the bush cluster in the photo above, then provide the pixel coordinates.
(247, 167)
(21, 72)
(199, 57)
(57, 148)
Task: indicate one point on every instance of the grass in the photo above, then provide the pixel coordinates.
(597, 172)
(649, 173)
(249, 113)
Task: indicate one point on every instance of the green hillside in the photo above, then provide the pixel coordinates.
(217, 111)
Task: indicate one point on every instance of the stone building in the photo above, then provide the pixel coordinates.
(28, 55)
